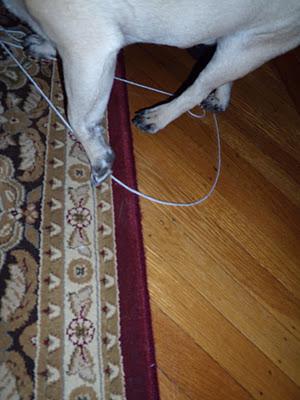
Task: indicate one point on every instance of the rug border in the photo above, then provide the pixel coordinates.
(137, 340)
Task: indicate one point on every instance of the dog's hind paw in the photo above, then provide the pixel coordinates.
(214, 104)
(39, 47)
(103, 169)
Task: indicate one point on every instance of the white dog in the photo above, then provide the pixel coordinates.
(88, 35)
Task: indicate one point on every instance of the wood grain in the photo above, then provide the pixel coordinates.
(224, 277)
(208, 380)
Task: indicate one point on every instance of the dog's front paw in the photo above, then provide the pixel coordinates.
(38, 47)
(153, 119)
(146, 121)
(103, 169)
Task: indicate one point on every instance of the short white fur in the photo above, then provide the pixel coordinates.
(89, 34)
(4, 44)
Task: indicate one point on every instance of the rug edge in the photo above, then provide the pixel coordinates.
(141, 345)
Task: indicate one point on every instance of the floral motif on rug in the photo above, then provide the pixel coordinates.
(59, 300)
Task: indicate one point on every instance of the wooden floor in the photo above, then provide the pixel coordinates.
(224, 277)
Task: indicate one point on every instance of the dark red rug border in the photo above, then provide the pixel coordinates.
(136, 329)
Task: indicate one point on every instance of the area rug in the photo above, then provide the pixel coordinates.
(74, 307)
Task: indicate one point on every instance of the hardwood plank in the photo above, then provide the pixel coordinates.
(288, 66)
(264, 164)
(271, 217)
(206, 274)
(223, 277)
(187, 364)
(219, 338)
(286, 246)
(169, 389)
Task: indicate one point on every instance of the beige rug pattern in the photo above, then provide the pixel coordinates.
(59, 306)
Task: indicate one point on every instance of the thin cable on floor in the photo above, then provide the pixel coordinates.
(11, 34)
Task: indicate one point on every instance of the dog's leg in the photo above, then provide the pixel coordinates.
(235, 57)
(219, 99)
(89, 74)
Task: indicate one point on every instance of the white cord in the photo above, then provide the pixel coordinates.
(4, 44)
(192, 203)
(160, 92)
(13, 34)
(38, 88)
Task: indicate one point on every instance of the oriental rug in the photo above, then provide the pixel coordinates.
(74, 307)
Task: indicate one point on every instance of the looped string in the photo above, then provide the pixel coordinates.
(151, 89)
(12, 37)
(18, 36)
